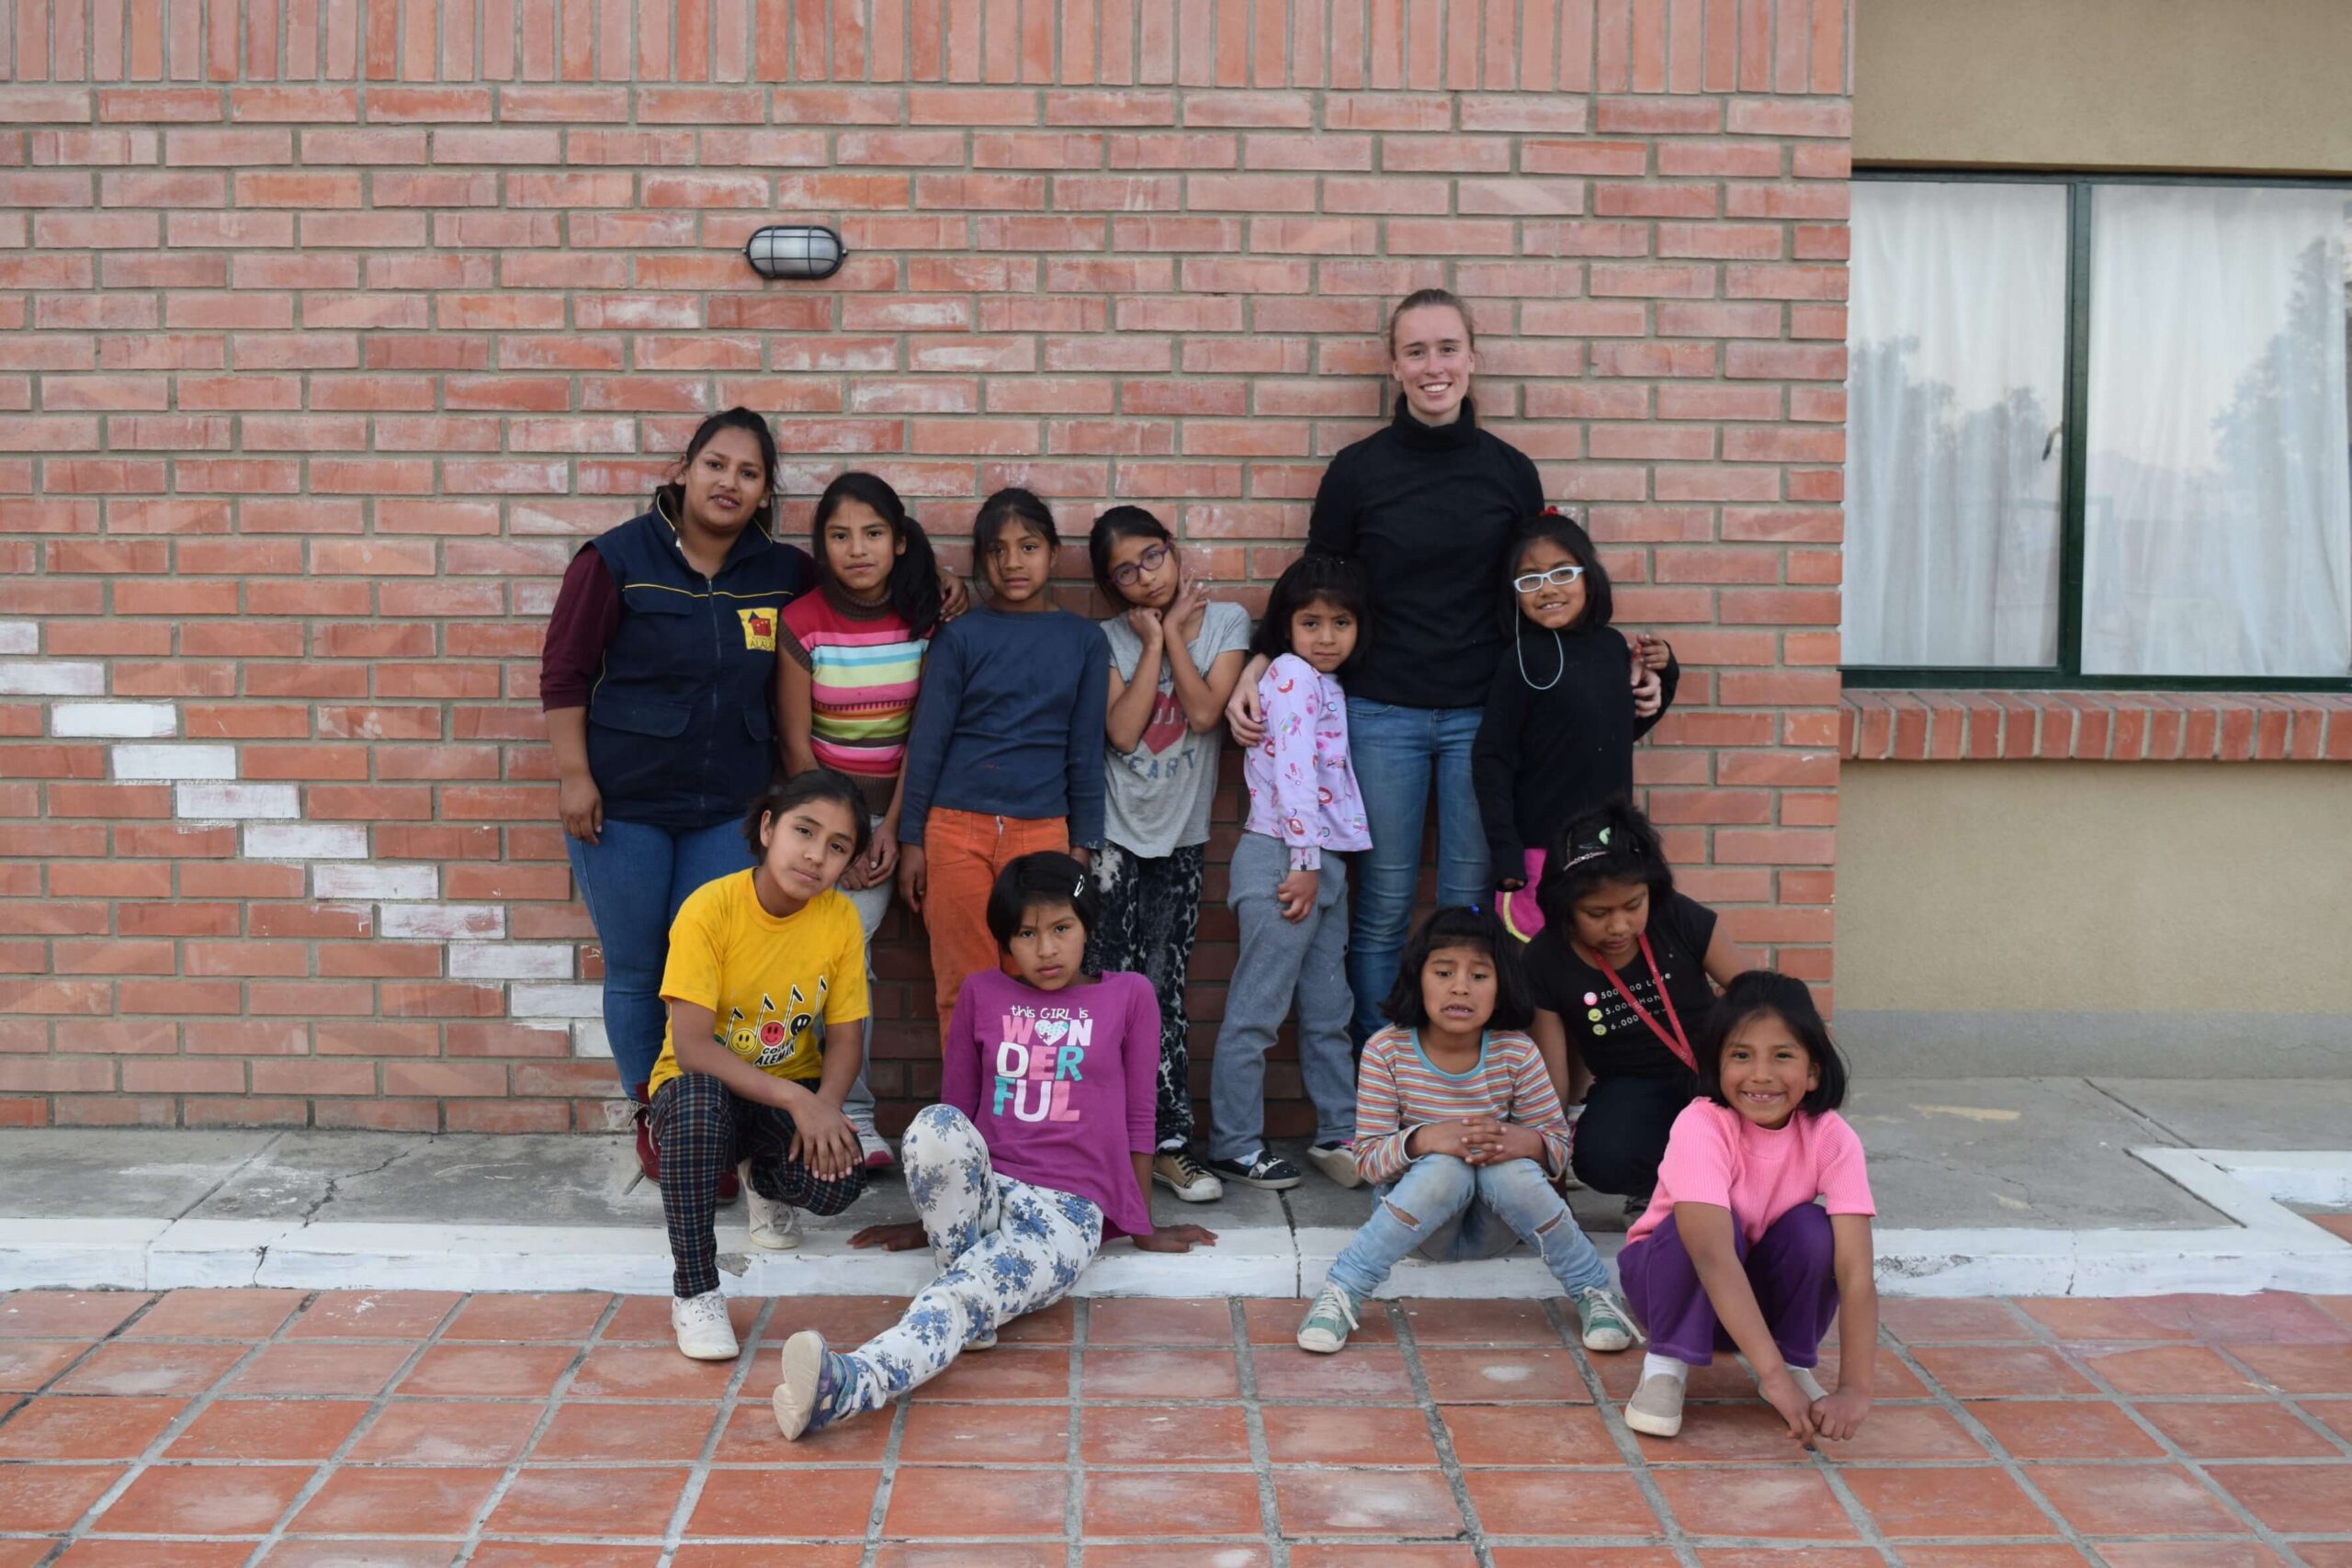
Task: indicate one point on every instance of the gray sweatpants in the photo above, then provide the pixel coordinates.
(1281, 962)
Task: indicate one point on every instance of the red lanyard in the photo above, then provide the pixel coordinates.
(1676, 1042)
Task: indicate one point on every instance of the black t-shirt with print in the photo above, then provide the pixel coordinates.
(1611, 1037)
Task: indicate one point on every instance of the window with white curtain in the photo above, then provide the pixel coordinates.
(2194, 523)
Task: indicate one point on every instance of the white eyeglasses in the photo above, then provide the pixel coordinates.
(1559, 576)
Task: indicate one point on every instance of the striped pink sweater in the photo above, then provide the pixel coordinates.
(1397, 1091)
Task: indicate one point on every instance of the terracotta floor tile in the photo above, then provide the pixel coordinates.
(268, 1429)
(2238, 1431)
(645, 1320)
(51, 1497)
(1194, 1502)
(1360, 1375)
(650, 1372)
(1354, 1556)
(1897, 1433)
(67, 1314)
(2323, 1554)
(447, 1432)
(1127, 1554)
(2064, 1429)
(488, 1371)
(1945, 1502)
(1523, 1435)
(636, 1501)
(25, 1553)
(846, 1322)
(749, 1502)
(528, 1317)
(936, 1500)
(2335, 1224)
(217, 1315)
(2092, 1319)
(98, 1553)
(1115, 1320)
(2166, 1368)
(2335, 1415)
(2301, 1369)
(1890, 1379)
(395, 1502)
(930, 1554)
(136, 1367)
(1446, 1322)
(752, 1437)
(555, 1554)
(1275, 1320)
(1726, 1378)
(373, 1314)
(2027, 1555)
(204, 1499)
(2271, 1317)
(985, 1434)
(360, 1555)
(1767, 1502)
(645, 1433)
(1352, 1434)
(2210, 1553)
(1337, 1501)
(1992, 1372)
(56, 1427)
(2337, 1307)
(1159, 1374)
(26, 1364)
(1545, 1502)
(1055, 1325)
(2296, 1499)
(1162, 1434)
(1483, 1376)
(321, 1366)
(1750, 1433)
(1007, 1372)
(1774, 1557)
(1933, 1321)
(2140, 1499)
(1608, 1557)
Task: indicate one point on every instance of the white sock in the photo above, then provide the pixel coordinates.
(1657, 1366)
(1807, 1384)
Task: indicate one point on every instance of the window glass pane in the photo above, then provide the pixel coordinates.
(1954, 390)
(2218, 501)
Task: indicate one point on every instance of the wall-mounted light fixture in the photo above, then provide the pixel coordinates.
(795, 250)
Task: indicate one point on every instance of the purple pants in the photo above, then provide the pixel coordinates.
(1792, 1268)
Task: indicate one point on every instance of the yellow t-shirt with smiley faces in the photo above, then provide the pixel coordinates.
(766, 981)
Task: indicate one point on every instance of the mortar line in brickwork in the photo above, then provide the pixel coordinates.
(1253, 1420)
(885, 1484)
(1082, 1324)
(1449, 1463)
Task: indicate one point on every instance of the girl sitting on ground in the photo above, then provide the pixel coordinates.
(1759, 1233)
(1040, 1148)
(1458, 1129)
(756, 960)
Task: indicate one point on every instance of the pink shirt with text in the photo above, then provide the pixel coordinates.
(1717, 1155)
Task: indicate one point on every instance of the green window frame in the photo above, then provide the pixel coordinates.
(2068, 673)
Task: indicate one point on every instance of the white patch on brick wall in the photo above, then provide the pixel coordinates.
(588, 1038)
(211, 803)
(441, 922)
(112, 719)
(312, 841)
(375, 882)
(504, 961)
(52, 678)
(160, 762)
(20, 637)
(554, 1001)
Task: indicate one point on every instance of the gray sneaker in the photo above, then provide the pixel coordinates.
(1656, 1409)
(1330, 1319)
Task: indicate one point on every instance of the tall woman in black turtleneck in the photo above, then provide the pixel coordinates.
(1426, 507)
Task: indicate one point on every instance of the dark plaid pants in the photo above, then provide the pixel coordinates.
(1151, 909)
(705, 1129)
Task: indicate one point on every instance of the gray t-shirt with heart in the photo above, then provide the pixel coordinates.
(1158, 794)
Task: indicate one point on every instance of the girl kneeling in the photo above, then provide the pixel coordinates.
(1734, 1251)
(1040, 1149)
(1458, 1128)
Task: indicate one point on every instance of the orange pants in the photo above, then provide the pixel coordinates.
(963, 853)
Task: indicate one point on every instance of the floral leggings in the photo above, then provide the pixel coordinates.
(1004, 1247)
(1150, 912)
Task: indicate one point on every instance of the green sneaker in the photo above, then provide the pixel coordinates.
(1605, 1324)
(1328, 1320)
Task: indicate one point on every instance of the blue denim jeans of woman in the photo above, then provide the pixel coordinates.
(1396, 752)
(633, 879)
(1451, 1211)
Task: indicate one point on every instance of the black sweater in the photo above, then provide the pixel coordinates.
(1427, 513)
(1543, 758)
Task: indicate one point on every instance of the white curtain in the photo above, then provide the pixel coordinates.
(2218, 522)
(1955, 388)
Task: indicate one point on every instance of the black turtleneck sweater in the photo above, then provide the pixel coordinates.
(1427, 512)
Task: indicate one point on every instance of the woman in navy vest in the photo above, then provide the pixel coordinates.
(656, 680)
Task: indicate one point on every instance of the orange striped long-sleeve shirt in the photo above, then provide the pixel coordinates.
(1397, 1091)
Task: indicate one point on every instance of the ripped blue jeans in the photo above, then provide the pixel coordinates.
(1447, 1209)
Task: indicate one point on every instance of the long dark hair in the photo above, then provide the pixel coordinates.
(912, 586)
(1787, 998)
(669, 497)
(1607, 844)
(1565, 531)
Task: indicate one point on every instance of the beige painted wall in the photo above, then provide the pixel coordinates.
(2251, 86)
(2024, 887)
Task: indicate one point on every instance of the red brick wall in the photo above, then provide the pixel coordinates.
(330, 326)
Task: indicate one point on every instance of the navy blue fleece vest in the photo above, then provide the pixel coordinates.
(681, 732)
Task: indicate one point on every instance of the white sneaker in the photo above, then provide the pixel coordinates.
(774, 1225)
(702, 1327)
(1337, 1161)
(876, 1149)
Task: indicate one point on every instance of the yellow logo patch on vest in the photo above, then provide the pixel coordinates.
(759, 629)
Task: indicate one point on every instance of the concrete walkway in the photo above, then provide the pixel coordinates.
(2014, 1186)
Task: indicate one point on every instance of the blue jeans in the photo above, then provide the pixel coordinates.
(633, 879)
(1451, 1211)
(1394, 751)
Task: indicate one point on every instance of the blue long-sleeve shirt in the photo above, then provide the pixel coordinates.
(1009, 722)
